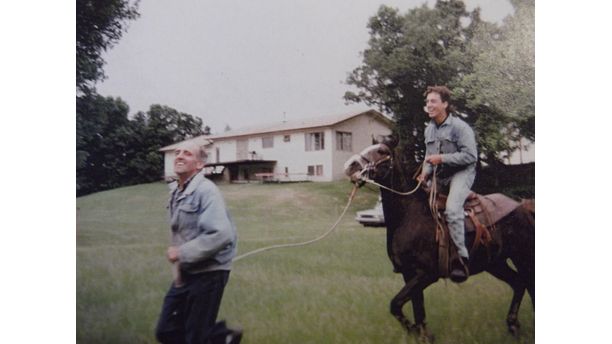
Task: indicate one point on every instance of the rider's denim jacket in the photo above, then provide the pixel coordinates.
(455, 140)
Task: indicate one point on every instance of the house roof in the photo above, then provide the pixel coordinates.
(300, 124)
(201, 140)
(240, 162)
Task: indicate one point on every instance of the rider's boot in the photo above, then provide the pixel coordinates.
(460, 271)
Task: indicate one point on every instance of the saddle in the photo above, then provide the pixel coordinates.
(485, 209)
(482, 213)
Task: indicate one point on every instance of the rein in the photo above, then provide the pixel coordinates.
(364, 178)
(367, 180)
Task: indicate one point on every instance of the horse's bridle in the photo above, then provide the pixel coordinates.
(371, 166)
(364, 175)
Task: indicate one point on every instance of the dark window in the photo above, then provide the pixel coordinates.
(315, 141)
(315, 170)
(267, 142)
(319, 170)
(344, 141)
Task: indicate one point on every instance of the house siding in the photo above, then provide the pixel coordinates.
(169, 164)
(293, 154)
(363, 129)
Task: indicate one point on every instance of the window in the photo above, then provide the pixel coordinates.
(287, 138)
(315, 170)
(344, 141)
(315, 141)
(267, 142)
(218, 154)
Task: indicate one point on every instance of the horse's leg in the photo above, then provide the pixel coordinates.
(527, 274)
(412, 290)
(418, 309)
(531, 291)
(524, 259)
(506, 274)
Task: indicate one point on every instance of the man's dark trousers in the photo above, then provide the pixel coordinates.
(189, 312)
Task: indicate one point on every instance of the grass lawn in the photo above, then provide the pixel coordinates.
(333, 291)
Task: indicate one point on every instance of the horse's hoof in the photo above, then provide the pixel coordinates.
(424, 335)
(426, 338)
(514, 329)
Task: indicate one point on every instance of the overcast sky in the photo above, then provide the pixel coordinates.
(242, 63)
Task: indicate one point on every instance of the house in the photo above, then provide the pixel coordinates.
(525, 153)
(312, 149)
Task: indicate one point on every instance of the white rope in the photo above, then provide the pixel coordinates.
(363, 177)
(367, 180)
(244, 255)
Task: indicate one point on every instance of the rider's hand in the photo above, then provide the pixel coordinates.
(422, 178)
(435, 159)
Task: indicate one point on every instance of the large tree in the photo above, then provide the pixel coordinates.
(99, 122)
(111, 149)
(406, 53)
(99, 25)
(114, 151)
(503, 79)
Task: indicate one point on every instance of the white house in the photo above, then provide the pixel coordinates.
(525, 153)
(310, 149)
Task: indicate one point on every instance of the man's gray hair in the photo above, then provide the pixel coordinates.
(197, 149)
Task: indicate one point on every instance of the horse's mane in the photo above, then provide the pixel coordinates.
(406, 172)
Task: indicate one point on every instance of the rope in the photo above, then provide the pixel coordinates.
(352, 195)
(433, 206)
(367, 180)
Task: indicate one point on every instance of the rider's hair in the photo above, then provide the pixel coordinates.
(445, 96)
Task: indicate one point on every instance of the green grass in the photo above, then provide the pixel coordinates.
(334, 291)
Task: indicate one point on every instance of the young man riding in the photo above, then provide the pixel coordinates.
(451, 153)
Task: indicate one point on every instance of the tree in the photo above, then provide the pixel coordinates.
(99, 121)
(165, 125)
(114, 151)
(99, 25)
(504, 77)
(489, 69)
(406, 54)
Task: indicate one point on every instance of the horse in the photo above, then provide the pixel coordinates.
(411, 240)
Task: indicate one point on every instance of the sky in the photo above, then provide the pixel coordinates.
(242, 63)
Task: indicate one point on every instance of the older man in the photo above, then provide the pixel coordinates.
(450, 150)
(203, 246)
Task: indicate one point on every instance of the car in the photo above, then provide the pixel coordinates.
(372, 217)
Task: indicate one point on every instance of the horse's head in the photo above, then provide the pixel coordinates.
(367, 163)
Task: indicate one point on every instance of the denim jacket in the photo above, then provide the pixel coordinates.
(201, 226)
(455, 141)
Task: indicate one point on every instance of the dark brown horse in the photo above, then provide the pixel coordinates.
(411, 240)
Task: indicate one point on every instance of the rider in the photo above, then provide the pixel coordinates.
(451, 153)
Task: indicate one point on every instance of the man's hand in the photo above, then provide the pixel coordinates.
(422, 178)
(435, 159)
(172, 254)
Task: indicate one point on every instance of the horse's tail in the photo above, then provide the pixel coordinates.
(529, 206)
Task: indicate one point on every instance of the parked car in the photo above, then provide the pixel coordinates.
(372, 217)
